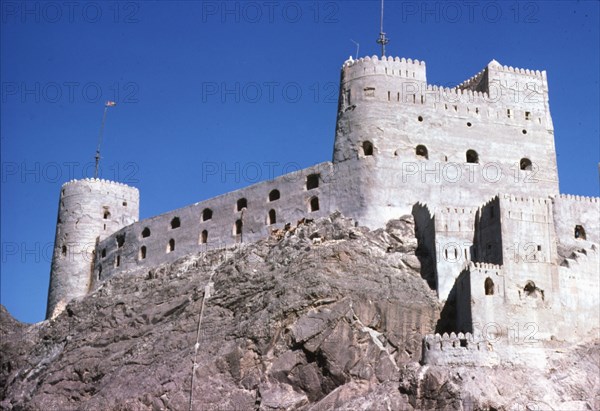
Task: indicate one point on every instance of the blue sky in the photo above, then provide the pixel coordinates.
(248, 88)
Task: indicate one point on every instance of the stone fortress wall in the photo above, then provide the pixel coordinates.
(244, 215)
(89, 211)
(475, 165)
(454, 147)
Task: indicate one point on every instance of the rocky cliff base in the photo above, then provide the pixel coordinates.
(323, 316)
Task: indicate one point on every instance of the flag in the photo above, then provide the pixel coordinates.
(110, 104)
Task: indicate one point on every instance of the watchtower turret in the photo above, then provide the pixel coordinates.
(89, 210)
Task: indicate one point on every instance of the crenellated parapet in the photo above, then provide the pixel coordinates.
(390, 66)
(458, 349)
(571, 197)
(98, 180)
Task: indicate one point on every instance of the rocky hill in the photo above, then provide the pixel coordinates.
(322, 316)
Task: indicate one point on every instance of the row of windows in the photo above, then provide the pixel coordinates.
(370, 92)
(313, 205)
(471, 155)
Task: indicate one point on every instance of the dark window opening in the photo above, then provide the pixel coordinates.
(106, 214)
(103, 254)
(489, 286)
(531, 290)
(472, 156)
(99, 271)
(421, 151)
(524, 131)
(175, 222)
(367, 147)
(469, 124)
(369, 91)
(525, 164)
(204, 237)
(312, 181)
(64, 250)
(580, 232)
(274, 195)
(120, 240)
(241, 204)
(206, 214)
(238, 226)
(118, 261)
(171, 245)
(527, 115)
(143, 252)
(145, 232)
(314, 204)
(124, 203)
(272, 217)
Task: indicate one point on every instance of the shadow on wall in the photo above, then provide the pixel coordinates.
(456, 315)
(425, 234)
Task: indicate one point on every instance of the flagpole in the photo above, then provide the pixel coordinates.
(97, 157)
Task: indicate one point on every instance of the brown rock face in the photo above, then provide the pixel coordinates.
(327, 316)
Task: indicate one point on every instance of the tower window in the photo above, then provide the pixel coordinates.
(489, 286)
(241, 204)
(525, 164)
(274, 195)
(103, 253)
(204, 237)
(120, 240)
(63, 250)
(207, 214)
(421, 151)
(118, 261)
(106, 214)
(314, 204)
(527, 115)
(312, 181)
(146, 232)
(472, 156)
(124, 203)
(367, 147)
(143, 252)
(580, 232)
(237, 227)
(175, 223)
(171, 245)
(272, 217)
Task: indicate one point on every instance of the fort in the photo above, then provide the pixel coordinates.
(475, 165)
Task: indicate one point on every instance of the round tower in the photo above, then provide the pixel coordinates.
(89, 210)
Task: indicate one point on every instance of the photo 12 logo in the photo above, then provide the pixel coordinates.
(55, 172)
(270, 12)
(70, 12)
(70, 92)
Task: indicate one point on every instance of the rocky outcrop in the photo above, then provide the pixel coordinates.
(322, 316)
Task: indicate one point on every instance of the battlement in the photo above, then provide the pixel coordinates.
(473, 266)
(496, 66)
(374, 59)
(458, 349)
(400, 68)
(446, 342)
(453, 211)
(510, 198)
(571, 197)
(98, 180)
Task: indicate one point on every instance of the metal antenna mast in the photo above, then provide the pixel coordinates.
(382, 40)
(97, 156)
(357, 47)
